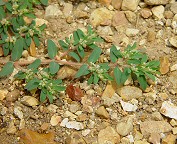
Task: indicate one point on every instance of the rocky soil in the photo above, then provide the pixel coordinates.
(107, 114)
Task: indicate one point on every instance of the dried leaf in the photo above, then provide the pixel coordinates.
(32, 48)
(30, 137)
(75, 93)
(1, 52)
(27, 20)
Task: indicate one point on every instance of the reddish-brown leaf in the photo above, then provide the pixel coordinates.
(75, 93)
(30, 137)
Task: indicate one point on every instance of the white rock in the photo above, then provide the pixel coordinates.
(74, 125)
(29, 101)
(52, 11)
(131, 32)
(64, 122)
(128, 106)
(169, 110)
(174, 67)
(22, 124)
(86, 132)
(158, 12)
(55, 119)
(18, 112)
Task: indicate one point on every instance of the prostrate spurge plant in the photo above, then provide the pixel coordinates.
(15, 33)
(124, 64)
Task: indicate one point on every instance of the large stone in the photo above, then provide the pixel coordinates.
(29, 101)
(119, 19)
(149, 127)
(124, 128)
(116, 4)
(100, 15)
(146, 13)
(131, 16)
(108, 135)
(158, 12)
(130, 4)
(52, 11)
(173, 8)
(68, 8)
(156, 2)
(129, 92)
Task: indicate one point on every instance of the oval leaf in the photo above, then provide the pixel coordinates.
(52, 49)
(82, 71)
(94, 56)
(7, 69)
(35, 64)
(54, 67)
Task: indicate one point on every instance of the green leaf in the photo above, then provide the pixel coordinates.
(108, 77)
(94, 56)
(20, 75)
(50, 97)
(80, 34)
(44, 2)
(32, 84)
(43, 95)
(42, 27)
(28, 41)
(59, 88)
(56, 82)
(36, 40)
(144, 58)
(30, 15)
(104, 66)
(63, 45)
(95, 78)
(115, 53)
(125, 75)
(8, 6)
(153, 64)
(82, 71)
(17, 50)
(2, 12)
(76, 37)
(80, 51)
(53, 67)
(52, 49)
(142, 82)
(130, 48)
(35, 64)
(117, 75)
(151, 76)
(90, 80)
(7, 69)
(5, 50)
(75, 56)
(134, 61)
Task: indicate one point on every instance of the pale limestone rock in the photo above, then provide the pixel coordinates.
(168, 109)
(149, 127)
(129, 92)
(55, 119)
(100, 15)
(29, 101)
(108, 135)
(52, 11)
(130, 4)
(158, 12)
(156, 2)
